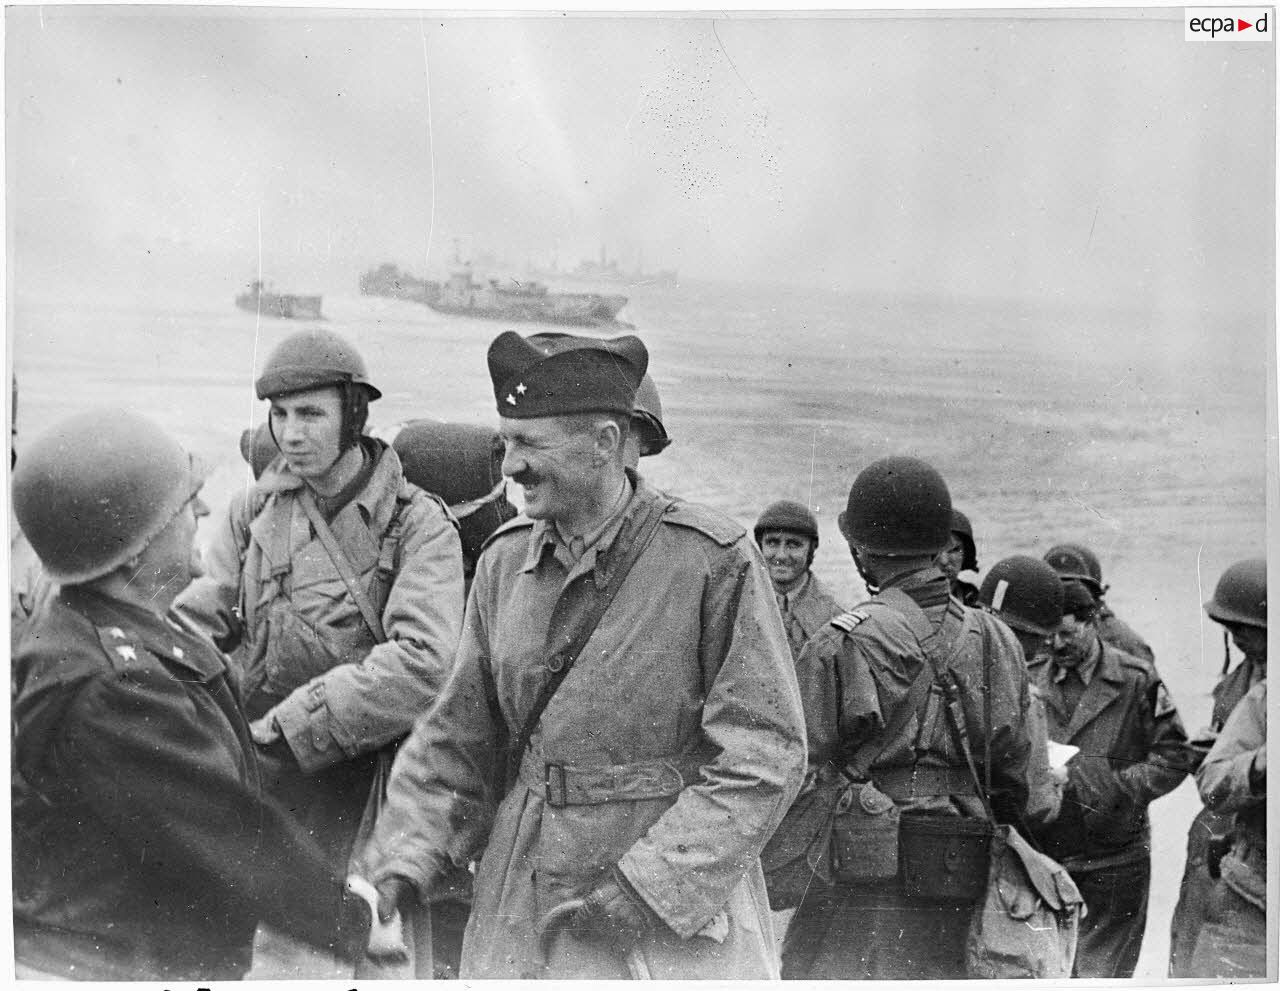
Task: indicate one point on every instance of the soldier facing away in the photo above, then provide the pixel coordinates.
(882, 686)
(1026, 594)
(143, 847)
(344, 583)
(622, 810)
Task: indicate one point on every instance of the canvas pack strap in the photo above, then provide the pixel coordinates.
(860, 763)
(341, 562)
(562, 661)
(941, 645)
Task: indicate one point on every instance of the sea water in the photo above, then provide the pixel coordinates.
(1139, 433)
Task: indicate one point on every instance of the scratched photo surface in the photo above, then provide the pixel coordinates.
(1035, 248)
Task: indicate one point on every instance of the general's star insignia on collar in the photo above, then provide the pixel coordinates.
(116, 632)
(127, 652)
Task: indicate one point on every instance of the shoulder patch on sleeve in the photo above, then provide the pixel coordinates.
(511, 526)
(706, 521)
(847, 621)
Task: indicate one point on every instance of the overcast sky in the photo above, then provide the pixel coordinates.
(1098, 158)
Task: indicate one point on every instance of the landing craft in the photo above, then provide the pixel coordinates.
(259, 300)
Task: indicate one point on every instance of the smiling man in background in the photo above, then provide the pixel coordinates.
(788, 537)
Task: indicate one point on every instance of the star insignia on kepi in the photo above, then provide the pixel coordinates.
(116, 632)
(522, 388)
(511, 399)
(127, 652)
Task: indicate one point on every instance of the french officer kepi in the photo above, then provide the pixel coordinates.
(624, 669)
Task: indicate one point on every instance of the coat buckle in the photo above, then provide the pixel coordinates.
(555, 791)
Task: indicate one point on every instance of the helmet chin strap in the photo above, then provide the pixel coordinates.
(873, 585)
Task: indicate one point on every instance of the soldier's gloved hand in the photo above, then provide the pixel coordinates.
(394, 893)
(386, 938)
(615, 911)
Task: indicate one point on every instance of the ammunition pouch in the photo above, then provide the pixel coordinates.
(864, 835)
(945, 858)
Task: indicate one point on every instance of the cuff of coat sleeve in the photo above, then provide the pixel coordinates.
(304, 722)
(423, 877)
(683, 919)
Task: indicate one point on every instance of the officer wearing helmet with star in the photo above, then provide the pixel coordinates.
(345, 584)
(143, 846)
(885, 687)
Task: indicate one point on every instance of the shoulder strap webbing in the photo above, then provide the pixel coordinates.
(587, 623)
(341, 563)
(918, 694)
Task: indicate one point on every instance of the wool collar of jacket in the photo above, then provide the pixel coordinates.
(544, 538)
(372, 499)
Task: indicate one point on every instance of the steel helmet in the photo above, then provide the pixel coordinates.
(790, 516)
(898, 507)
(962, 528)
(646, 419)
(1024, 592)
(1078, 562)
(93, 491)
(258, 447)
(311, 359)
(1241, 595)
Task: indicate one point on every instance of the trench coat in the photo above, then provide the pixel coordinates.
(337, 694)
(143, 848)
(672, 749)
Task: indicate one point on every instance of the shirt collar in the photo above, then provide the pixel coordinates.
(787, 600)
(546, 536)
(1086, 669)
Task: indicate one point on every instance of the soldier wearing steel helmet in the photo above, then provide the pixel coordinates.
(787, 534)
(1075, 562)
(1132, 750)
(1026, 595)
(143, 847)
(1239, 604)
(960, 554)
(648, 434)
(882, 685)
(345, 583)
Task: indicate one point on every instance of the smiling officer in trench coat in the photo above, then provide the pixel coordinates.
(669, 754)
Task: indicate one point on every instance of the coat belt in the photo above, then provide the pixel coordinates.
(924, 780)
(576, 784)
